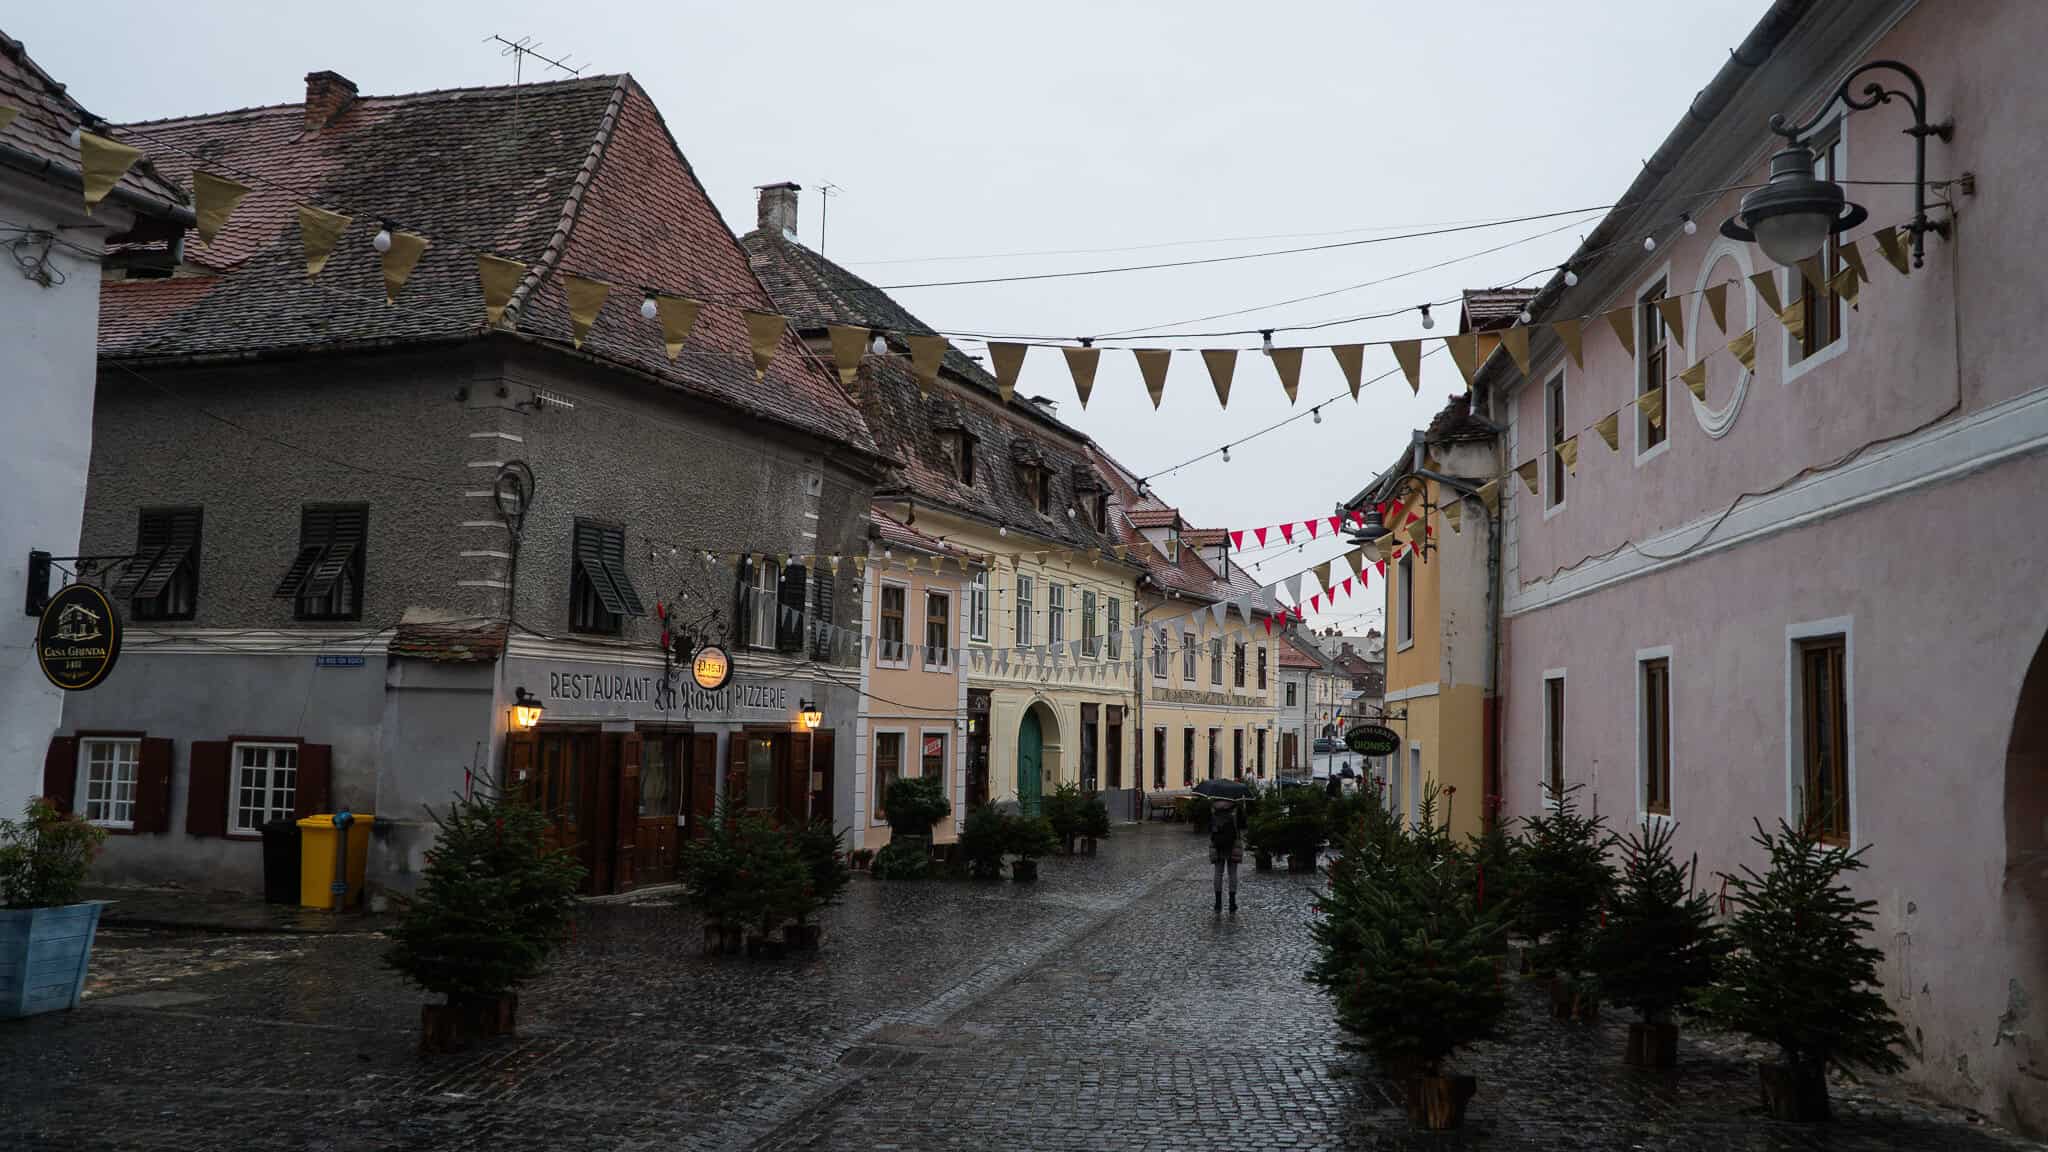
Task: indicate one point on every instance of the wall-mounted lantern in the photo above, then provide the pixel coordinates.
(526, 710)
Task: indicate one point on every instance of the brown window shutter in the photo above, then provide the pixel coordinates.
(821, 761)
(703, 781)
(735, 773)
(315, 792)
(153, 786)
(206, 789)
(796, 778)
(60, 772)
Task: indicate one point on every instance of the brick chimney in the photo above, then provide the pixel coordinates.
(328, 95)
(775, 208)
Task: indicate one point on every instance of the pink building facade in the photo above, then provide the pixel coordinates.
(1838, 558)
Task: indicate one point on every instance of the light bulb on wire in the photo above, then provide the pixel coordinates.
(1316, 414)
(1266, 341)
(1525, 318)
(382, 240)
(1571, 278)
(648, 309)
(1649, 243)
(1226, 453)
(1428, 321)
(1691, 229)
(878, 346)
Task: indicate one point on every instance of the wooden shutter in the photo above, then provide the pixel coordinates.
(153, 786)
(821, 761)
(315, 792)
(613, 543)
(793, 798)
(735, 774)
(520, 750)
(789, 615)
(743, 603)
(589, 549)
(60, 772)
(206, 789)
(628, 837)
(821, 614)
(703, 781)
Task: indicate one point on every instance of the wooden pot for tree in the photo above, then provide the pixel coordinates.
(804, 937)
(1795, 1092)
(1437, 1103)
(732, 938)
(1301, 861)
(1570, 1000)
(454, 1026)
(1087, 845)
(1024, 871)
(1263, 861)
(1652, 1045)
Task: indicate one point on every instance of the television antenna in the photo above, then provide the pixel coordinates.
(526, 46)
(826, 191)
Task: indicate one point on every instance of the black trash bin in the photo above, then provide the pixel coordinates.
(281, 861)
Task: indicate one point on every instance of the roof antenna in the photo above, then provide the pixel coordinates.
(826, 191)
(526, 46)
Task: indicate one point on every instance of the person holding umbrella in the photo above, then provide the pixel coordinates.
(1226, 822)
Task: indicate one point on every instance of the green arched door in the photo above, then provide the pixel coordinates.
(1030, 755)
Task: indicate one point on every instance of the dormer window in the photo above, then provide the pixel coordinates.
(958, 446)
(1099, 511)
(1173, 546)
(1038, 489)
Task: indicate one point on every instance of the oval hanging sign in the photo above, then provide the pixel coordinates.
(79, 638)
(1373, 740)
(711, 667)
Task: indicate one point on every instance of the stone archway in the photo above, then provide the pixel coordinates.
(2023, 1027)
(1038, 755)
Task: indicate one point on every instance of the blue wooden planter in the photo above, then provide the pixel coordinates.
(43, 957)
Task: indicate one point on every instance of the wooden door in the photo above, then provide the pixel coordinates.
(1030, 753)
(623, 811)
(656, 808)
(793, 795)
(559, 790)
(703, 797)
(820, 783)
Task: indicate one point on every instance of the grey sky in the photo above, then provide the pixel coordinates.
(964, 129)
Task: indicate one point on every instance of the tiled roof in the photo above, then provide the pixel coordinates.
(1455, 421)
(1293, 655)
(579, 177)
(1487, 309)
(897, 534)
(450, 641)
(1154, 516)
(1203, 537)
(41, 131)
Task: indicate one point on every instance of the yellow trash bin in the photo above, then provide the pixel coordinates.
(318, 839)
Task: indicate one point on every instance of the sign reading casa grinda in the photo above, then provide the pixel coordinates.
(79, 638)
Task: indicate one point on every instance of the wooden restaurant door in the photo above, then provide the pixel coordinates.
(553, 771)
(658, 803)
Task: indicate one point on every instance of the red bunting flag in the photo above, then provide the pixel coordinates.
(1269, 625)
(1287, 533)
(1392, 513)
(1297, 611)
(1381, 565)
(1347, 586)
(1237, 540)
(1311, 526)
(1261, 534)
(1315, 602)
(1336, 525)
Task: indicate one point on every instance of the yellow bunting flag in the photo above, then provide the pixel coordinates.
(1528, 474)
(1607, 426)
(1287, 362)
(1489, 496)
(103, 163)
(1464, 349)
(1152, 364)
(1809, 270)
(1743, 347)
(586, 299)
(1323, 575)
(7, 114)
(399, 261)
(678, 317)
(500, 278)
(1652, 404)
(764, 332)
(1409, 354)
(849, 344)
(1568, 451)
(1569, 335)
(1222, 364)
(1892, 247)
(1853, 257)
(1623, 321)
(1793, 317)
(1008, 358)
(1516, 341)
(1356, 558)
(1454, 512)
(1766, 285)
(1384, 545)
(1717, 304)
(319, 229)
(925, 354)
(1081, 364)
(1846, 285)
(1418, 531)
(213, 201)
(1695, 379)
(1672, 309)
(1351, 358)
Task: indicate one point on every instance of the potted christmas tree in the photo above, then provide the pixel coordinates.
(1028, 838)
(770, 883)
(983, 841)
(1659, 948)
(1566, 880)
(46, 932)
(493, 901)
(1094, 822)
(711, 866)
(822, 849)
(912, 806)
(1062, 810)
(1800, 975)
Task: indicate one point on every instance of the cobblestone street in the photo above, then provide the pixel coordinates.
(1104, 1008)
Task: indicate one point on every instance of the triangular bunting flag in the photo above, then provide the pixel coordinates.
(1652, 404)
(7, 114)
(1356, 558)
(764, 332)
(1464, 349)
(1569, 335)
(1287, 362)
(1348, 581)
(1608, 427)
(849, 344)
(1409, 354)
(1311, 526)
(1695, 379)
(1323, 575)
(1315, 603)
(586, 299)
(1893, 249)
(500, 278)
(1623, 321)
(1809, 271)
(1380, 566)
(1008, 358)
(1846, 285)
(925, 354)
(1287, 532)
(399, 260)
(1568, 451)
(1527, 472)
(318, 230)
(1081, 364)
(1489, 496)
(1793, 317)
(1454, 512)
(213, 201)
(1853, 257)
(1516, 341)
(1743, 348)
(1260, 534)
(1717, 304)
(1152, 364)
(103, 162)
(678, 317)
(1672, 309)
(1217, 612)
(1222, 364)
(1237, 540)
(1766, 285)
(1351, 360)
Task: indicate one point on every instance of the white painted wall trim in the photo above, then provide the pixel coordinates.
(1989, 436)
(1550, 799)
(1643, 813)
(1418, 692)
(1844, 626)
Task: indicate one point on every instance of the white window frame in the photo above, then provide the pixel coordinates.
(1789, 369)
(944, 663)
(767, 605)
(1187, 658)
(1639, 421)
(946, 758)
(1413, 808)
(1114, 634)
(1795, 750)
(1091, 634)
(1287, 689)
(1160, 663)
(83, 787)
(1554, 423)
(1404, 603)
(882, 659)
(877, 794)
(977, 606)
(1025, 608)
(1216, 661)
(1055, 612)
(1643, 813)
(1172, 546)
(235, 766)
(1550, 798)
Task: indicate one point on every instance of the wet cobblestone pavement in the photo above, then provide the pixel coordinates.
(1105, 1007)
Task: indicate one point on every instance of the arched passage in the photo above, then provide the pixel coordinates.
(1038, 750)
(2022, 1027)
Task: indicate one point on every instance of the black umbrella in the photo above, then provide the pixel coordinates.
(1347, 772)
(1224, 789)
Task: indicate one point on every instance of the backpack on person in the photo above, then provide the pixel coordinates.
(1223, 830)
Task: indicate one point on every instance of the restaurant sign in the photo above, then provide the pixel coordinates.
(79, 638)
(1373, 740)
(598, 692)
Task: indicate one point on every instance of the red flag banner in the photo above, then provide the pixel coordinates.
(1311, 526)
(1261, 534)
(1237, 540)
(1287, 532)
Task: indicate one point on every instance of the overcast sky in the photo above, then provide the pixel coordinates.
(1056, 136)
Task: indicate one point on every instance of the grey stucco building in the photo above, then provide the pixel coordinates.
(363, 530)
